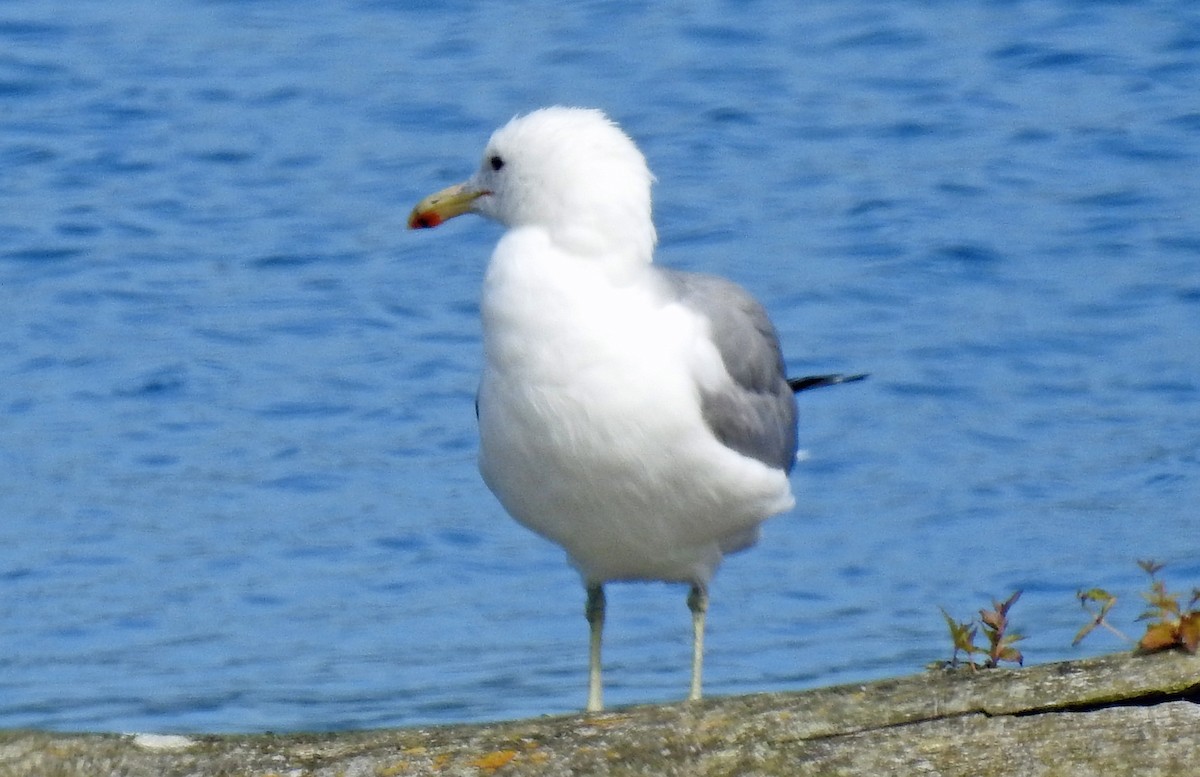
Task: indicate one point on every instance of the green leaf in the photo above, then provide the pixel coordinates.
(1099, 595)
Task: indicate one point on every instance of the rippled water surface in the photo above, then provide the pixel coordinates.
(237, 441)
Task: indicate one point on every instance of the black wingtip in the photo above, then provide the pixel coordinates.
(817, 381)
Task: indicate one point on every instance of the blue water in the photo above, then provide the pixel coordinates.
(237, 441)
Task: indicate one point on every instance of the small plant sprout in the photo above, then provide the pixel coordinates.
(1102, 601)
(1168, 623)
(963, 637)
(1000, 637)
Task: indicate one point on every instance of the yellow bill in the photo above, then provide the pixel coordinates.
(446, 204)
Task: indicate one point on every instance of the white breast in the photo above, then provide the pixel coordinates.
(590, 425)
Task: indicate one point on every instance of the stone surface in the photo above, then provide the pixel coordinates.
(1120, 714)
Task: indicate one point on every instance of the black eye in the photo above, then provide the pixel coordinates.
(496, 162)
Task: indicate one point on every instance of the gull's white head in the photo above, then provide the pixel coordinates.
(569, 171)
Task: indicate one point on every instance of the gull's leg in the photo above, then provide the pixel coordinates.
(698, 603)
(595, 618)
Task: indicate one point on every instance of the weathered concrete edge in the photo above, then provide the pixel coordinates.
(640, 739)
(1122, 678)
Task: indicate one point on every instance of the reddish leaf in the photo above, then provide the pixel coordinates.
(1189, 632)
(1158, 636)
(992, 619)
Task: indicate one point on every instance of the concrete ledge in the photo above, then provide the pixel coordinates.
(1120, 714)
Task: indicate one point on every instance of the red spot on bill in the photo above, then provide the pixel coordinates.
(424, 220)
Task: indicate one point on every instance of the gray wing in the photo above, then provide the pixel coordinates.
(757, 417)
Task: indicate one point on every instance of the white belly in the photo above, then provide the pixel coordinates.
(590, 426)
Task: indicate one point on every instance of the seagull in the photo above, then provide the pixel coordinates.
(637, 416)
